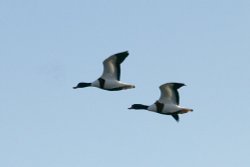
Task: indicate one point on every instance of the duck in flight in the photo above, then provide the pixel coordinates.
(110, 78)
(168, 102)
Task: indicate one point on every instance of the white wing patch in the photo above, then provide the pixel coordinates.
(109, 71)
(169, 93)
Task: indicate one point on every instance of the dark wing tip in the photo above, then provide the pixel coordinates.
(176, 117)
(122, 53)
(178, 85)
(121, 56)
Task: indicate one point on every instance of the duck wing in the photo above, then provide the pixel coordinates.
(175, 116)
(112, 66)
(169, 93)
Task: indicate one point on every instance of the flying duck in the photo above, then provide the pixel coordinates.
(110, 78)
(168, 102)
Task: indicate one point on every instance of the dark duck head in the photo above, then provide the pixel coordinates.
(139, 107)
(82, 85)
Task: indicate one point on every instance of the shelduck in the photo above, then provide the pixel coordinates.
(110, 78)
(168, 102)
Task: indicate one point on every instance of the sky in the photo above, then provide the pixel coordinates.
(48, 46)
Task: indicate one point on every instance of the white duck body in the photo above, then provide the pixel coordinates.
(111, 84)
(167, 109)
(163, 108)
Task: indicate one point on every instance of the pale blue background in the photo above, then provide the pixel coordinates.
(48, 46)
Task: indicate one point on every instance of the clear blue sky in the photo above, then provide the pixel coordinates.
(48, 46)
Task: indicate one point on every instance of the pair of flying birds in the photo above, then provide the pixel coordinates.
(168, 102)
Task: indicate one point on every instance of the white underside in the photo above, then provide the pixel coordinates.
(111, 84)
(167, 109)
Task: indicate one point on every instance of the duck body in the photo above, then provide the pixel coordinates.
(167, 109)
(111, 84)
(110, 79)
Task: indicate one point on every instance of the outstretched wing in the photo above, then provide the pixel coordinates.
(169, 93)
(112, 65)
